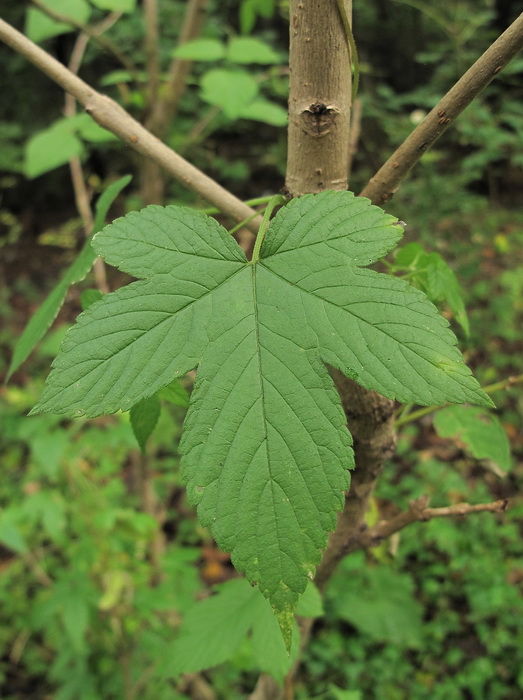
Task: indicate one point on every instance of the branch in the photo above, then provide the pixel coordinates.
(75, 164)
(418, 511)
(102, 41)
(385, 183)
(165, 108)
(490, 389)
(110, 115)
(150, 15)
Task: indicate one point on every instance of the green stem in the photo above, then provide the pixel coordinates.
(490, 389)
(273, 202)
(243, 223)
(352, 48)
(249, 202)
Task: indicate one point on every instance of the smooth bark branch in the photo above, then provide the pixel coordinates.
(152, 37)
(108, 113)
(163, 109)
(419, 511)
(319, 98)
(385, 183)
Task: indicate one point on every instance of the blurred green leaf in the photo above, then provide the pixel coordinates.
(89, 297)
(40, 26)
(10, 534)
(380, 604)
(175, 393)
(265, 111)
(144, 417)
(250, 10)
(479, 430)
(311, 603)
(51, 148)
(47, 312)
(430, 272)
(200, 50)
(229, 89)
(115, 5)
(213, 629)
(250, 50)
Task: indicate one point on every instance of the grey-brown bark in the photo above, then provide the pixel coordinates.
(319, 98)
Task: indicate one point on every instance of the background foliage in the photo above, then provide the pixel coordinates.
(101, 558)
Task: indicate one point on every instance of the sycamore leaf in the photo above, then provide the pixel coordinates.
(265, 449)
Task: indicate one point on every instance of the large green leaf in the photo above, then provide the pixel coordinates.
(265, 449)
(46, 314)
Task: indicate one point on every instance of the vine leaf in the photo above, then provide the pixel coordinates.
(265, 450)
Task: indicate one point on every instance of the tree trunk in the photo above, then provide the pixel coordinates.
(318, 158)
(319, 98)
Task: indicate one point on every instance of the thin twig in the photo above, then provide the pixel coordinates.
(355, 131)
(115, 119)
(81, 194)
(490, 389)
(383, 185)
(419, 511)
(152, 37)
(102, 41)
(164, 110)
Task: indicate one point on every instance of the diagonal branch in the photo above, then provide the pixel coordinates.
(385, 183)
(110, 115)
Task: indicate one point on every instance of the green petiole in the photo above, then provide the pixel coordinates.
(273, 202)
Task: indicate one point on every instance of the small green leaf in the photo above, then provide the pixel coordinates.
(268, 647)
(430, 272)
(380, 602)
(175, 393)
(250, 50)
(40, 26)
(144, 417)
(200, 50)
(311, 604)
(10, 535)
(50, 149)
(265, 111)
(480, 431)
(46, 314)
(213, 629)
(90, 296)
(251, 9)
(89, 130)
(231, 90)
(115, 5)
